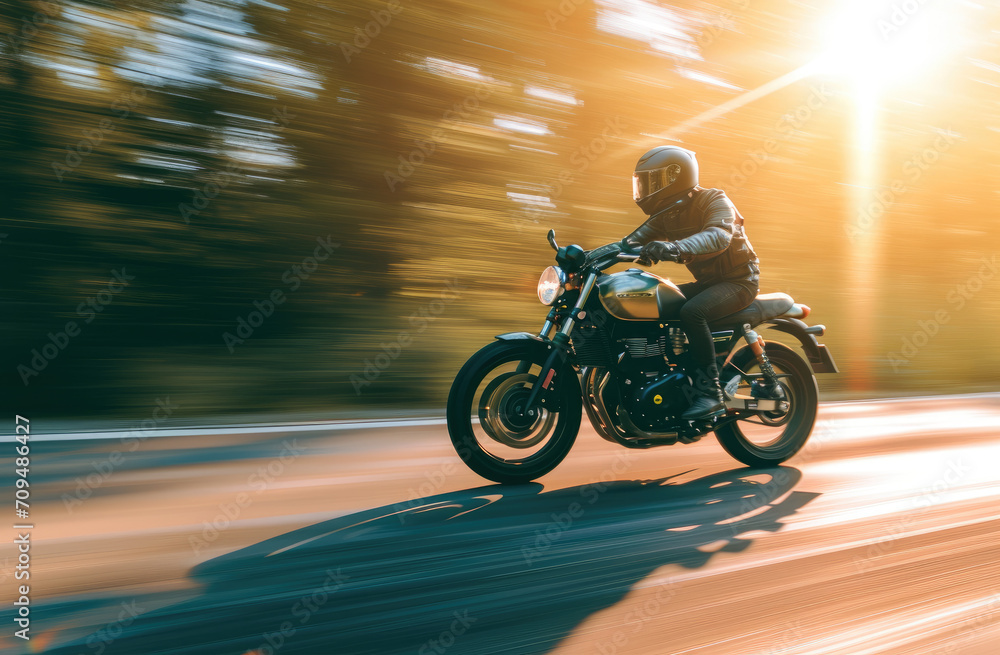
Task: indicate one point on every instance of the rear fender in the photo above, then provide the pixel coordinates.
(819, 357)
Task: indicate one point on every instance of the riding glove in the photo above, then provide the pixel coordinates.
(660, 251)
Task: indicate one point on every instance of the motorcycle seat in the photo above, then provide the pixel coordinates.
(764, 307)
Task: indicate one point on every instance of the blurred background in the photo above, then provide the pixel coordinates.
(322, 209)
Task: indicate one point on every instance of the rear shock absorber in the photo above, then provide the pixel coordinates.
(678, 340)
(756, 342)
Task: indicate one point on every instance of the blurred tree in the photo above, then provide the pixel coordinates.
(202, 146)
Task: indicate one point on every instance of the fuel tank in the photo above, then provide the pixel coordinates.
(636, 295)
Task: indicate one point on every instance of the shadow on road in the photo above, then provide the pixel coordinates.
(488, 570)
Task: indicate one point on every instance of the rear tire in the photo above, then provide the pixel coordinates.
(495, 459)
(803, 395)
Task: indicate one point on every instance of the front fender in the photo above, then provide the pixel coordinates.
(819, 357)
(516, 336)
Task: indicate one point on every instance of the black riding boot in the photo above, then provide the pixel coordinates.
(707, 400)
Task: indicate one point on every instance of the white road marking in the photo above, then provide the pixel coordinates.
(328, 426)
(373, 424)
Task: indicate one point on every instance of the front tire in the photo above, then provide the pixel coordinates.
(493, 430)
(783, 435)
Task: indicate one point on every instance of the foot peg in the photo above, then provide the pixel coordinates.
(730, 389)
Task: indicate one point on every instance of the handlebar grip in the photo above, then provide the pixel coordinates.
(638, 259)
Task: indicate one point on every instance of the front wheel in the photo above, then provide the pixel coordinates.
(492, 427)
(765, 439)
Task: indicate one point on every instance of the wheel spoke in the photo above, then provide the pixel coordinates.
(504, 425)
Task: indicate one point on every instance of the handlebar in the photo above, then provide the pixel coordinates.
(606, 256)
(627, 257)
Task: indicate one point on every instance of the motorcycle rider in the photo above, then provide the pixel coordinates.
(701, 228)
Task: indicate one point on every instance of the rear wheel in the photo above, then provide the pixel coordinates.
(494, 430)
(765, 439)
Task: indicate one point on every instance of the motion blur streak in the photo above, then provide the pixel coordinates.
(203, 145)
(872, 540)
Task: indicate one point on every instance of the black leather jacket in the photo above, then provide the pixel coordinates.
(708, 231)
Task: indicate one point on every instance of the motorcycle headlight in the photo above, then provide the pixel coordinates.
(550, 285)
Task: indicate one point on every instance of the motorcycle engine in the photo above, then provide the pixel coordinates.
(653, 390)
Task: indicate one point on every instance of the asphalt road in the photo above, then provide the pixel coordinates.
(883, 536)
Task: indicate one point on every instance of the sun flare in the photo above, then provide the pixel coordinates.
(885, 44)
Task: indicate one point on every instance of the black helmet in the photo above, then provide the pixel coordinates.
(662, 175)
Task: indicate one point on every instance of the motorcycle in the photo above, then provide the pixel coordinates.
(612, 343)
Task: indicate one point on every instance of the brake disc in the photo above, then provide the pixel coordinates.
(503, 412)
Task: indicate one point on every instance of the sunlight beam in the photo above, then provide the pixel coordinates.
(739, 101)
(864, 271)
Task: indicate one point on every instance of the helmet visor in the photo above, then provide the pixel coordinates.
(646, 183)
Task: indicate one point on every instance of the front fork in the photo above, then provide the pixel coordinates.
(559, 345)
(525, 366)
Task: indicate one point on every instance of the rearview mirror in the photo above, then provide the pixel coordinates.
(552, 240)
